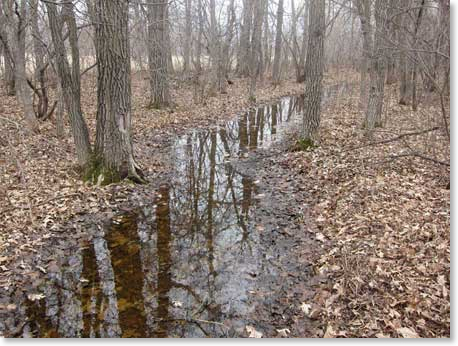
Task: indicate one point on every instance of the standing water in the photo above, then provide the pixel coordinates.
(191, 263)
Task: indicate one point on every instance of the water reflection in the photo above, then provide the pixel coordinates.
(183, 267)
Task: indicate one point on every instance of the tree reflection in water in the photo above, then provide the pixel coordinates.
(181, 267)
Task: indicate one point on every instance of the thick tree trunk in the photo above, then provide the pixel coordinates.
(158, 52)
(278, 44)
(70, 80)
(314, 66)
(113, 159)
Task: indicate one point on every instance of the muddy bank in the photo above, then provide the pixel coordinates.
(196, 259)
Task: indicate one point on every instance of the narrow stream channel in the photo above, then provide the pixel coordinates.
(191, 263)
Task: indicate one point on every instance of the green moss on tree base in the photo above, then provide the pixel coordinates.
(303, 145)
(97, 173)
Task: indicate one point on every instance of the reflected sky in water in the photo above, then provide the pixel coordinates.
(186, 265)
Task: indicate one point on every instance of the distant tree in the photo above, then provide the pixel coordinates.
(158, 51)
(377, 69)
(8, 70)
(13, 32)
(69, 76)
(188, 37)
(244, 53)
(256, 46)
(278, 43)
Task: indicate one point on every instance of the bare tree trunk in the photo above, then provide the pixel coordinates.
(405, 70)
(158, 54)
(300, 76)
(414, 72)
(15, 15)
(244, 56)
(199, 36)
(377, 72)
(314, 66)
(267, 54)
(216, 84)
(197, 77)
(114, 159)
(256, 47)
(188, 37)
(41, 88)
(364, 13)
(9, 73)
(60, 129)
(168, 42)
(278, 44)
(137, 48)
(391, 75)
(445, 18)
(226, 54)
(70, 78)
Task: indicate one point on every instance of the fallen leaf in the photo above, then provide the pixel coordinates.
(253, 333)
(306, 308)
(407, 333)
(320, 237)
(283, 332)
(177, 304)
(35, 296)
(330, 333)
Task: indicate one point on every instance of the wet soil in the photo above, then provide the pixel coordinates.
(222, 245)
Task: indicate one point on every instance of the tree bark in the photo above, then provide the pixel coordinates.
(40, 67)
(188, 36)
(216, 83)
(15, 16)
(244, 56)
(158, 52)
(256, 54)
(314, 66)
(364, 13)
(113, 159)
(405, 69)
(9, 73)
(70, 79)
(377, 72)
(278, 44)
(300, 75)
(415, 72)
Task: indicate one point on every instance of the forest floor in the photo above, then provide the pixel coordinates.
(40, 187)
(383, 223)
(383, 220)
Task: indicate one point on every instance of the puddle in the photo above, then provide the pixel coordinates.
(191, 263)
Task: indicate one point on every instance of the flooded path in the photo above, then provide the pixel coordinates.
(199, 260)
